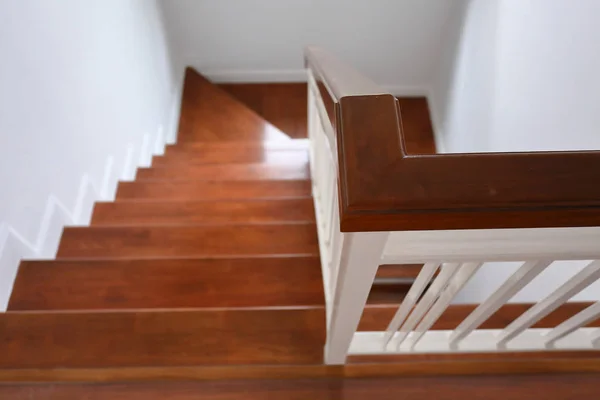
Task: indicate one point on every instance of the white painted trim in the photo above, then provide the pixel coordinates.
(513, 285)
(489, 245)
(253, 76)
(479, 341)
(145, 159)
(438, 132)
(357, 270)
(410, 300)
(174, 114)
(84, 204)
(129, 166)
(159, 142)
(406, 90)
(14, 247)
(109, 181)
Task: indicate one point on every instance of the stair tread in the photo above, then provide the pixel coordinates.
(242, 155)
(205, 190)
(259, 171)
(234, 145)
(234, 151)
(208, 113)
(162, 338)
(195, 211)
(188, 240)
(167, 283)
(493, 387)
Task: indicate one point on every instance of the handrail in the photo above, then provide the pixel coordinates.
(382, 188)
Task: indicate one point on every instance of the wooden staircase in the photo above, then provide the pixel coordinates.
(205, 267)
(209, 258)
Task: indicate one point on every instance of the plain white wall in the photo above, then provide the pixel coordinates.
(86, 87)
(523, 77)
(462, 91)
(548, 81)
(520, 75)
(395, 42)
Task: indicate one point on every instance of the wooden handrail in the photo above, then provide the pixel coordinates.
(382, 188)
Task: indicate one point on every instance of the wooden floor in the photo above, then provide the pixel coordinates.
(523, 387)
(206, 267)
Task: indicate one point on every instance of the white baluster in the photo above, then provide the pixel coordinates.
(580, 281)
(579, 320)
(431, 295)
(361, 253)
(416, 290)
(512, 286)
(458, 281)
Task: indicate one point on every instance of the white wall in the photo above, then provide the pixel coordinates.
(524, 76)
(395, 42)
(520, 75)
(462, 88)
(87, 92)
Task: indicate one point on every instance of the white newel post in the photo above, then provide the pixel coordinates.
(360, 258)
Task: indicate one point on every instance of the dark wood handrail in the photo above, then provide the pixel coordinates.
(382, 188)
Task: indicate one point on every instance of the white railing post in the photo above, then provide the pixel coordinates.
(360, 258)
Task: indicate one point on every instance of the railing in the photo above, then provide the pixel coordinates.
(453, 213)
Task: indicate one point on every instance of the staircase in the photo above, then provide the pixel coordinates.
(209, 257)
(205, 268)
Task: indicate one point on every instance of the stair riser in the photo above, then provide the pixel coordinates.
(159, 213)
(162, 338)
(212, 190)
(81, 285)
(188, 241)
(233, 172)
(241, 156)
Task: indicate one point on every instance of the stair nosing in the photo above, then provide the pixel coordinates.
(184, 257)
(177, 179)
(181, 258)
(168, 310)
(201, 225)
(204, 200)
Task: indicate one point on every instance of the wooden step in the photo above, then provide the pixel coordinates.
(557, 386)
(230, 172)
(208, 212)
(247, 156)
(235, 146)
(188, 241)
(235, 152)
(212, 190)
(161, 338)
(168, 283)
(208, 113)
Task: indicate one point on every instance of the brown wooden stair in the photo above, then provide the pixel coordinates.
(209, 258)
